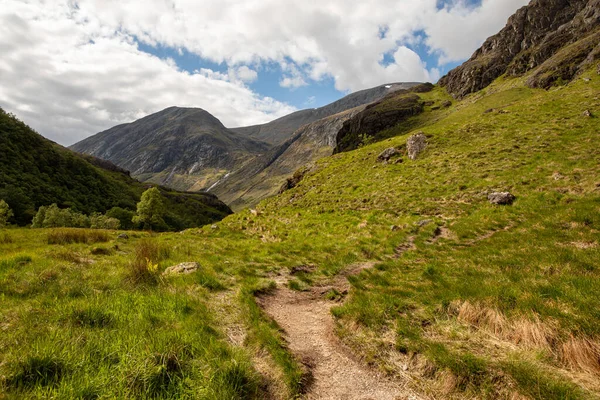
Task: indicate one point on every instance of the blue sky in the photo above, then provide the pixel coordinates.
(73, 68)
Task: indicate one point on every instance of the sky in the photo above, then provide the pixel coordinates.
(73, 68)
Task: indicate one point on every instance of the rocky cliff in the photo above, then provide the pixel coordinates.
(561, 37)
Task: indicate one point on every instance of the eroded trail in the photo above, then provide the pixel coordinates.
(309, 329)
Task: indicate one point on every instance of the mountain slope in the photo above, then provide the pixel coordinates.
(280, 130)
(35, 171)
(189, 149)
(177, 147)
(561, 36)
(263, 176)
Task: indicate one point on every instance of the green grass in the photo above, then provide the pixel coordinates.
(75, 323)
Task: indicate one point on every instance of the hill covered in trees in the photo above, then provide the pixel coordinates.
(36, 172)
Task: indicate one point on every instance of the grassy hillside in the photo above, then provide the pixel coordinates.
(35, 171)
(466, 299)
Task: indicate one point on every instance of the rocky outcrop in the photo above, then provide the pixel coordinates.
(368, 125)
(501, 198)
(387, 154)
(182, 269)
(415, 145)
(558, 36)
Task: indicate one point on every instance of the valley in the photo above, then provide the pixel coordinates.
(428, 242)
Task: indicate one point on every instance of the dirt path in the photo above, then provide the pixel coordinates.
(309, 328)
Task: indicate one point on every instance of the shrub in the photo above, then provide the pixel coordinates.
(99, 221)
(5, 213)
(124, 216)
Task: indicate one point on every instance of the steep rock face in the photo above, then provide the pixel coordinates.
(170, 146)
(280, 130)
(533, 36)
(379, 116)
(264, 176)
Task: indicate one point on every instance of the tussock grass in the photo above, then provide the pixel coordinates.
(74, 235)
(581, 354)
(5, 238)
(143, 269)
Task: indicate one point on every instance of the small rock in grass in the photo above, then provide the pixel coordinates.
(501, 198)
(387, 154)
(214, 227)
(182, 269)
(415, 145)
(587, 113)
(424, 222)
(395, 228)
(123, 236)
(446, 104)
(557, 176)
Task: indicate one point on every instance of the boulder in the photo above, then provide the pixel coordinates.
(387, 154)
(501, 198)
(415, 145)
(182, 269)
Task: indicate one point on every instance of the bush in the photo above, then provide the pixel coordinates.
(124, 216)
(99, 221)
(5, 213)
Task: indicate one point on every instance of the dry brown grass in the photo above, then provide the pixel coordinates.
(483, 317)
(532, 333)
(581, 354)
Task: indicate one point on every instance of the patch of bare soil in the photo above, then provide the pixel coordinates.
(309, 329)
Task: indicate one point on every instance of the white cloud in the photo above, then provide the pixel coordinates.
(243, 74)
(72, 68)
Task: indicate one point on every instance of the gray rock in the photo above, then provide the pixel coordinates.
(446, 104)
(423, 222)
(416, 144)
(214, 227)
(123, 236)
(587, 113)
(387, 154)
(501, 198)
(182, 269)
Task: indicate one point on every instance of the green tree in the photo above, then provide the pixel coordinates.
(124, 216)
(5, 213)
(150, 210)
(39, 218)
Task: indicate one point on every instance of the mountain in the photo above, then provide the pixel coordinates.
(189, 149)
(183, 148)
(264, 176)
(35, 171)
(558, 38)
(280, 130)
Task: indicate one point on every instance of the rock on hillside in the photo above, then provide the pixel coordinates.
(379, 116)
(560, 36)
